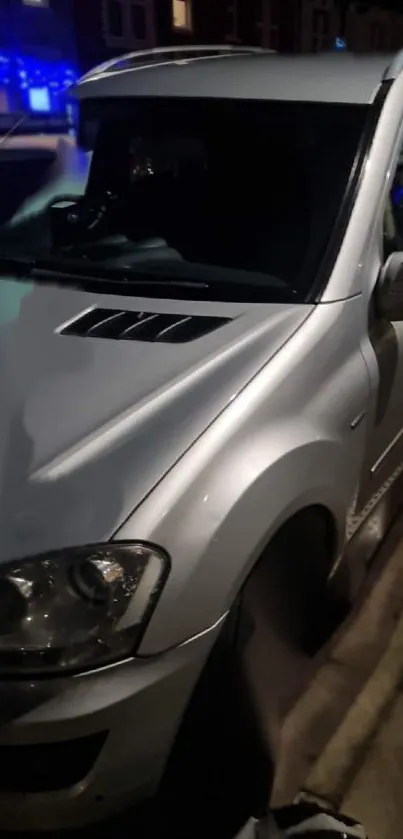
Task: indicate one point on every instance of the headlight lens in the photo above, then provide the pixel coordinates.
(77, 609)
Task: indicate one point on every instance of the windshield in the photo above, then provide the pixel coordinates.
(206, 191)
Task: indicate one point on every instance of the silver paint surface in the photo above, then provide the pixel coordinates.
(329, 77)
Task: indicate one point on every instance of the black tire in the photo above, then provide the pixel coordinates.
(218, 774)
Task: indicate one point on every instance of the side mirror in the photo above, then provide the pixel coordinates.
(389, 289)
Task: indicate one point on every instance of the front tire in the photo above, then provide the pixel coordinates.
(218, 774)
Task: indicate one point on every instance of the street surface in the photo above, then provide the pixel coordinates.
(360, 768)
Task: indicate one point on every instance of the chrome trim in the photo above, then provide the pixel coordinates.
(378, 463)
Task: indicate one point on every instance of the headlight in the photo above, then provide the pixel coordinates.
(77, 609)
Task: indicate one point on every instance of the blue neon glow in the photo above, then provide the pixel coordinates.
(39, 100)
(397, 195)
(36, 85)
(340, 44)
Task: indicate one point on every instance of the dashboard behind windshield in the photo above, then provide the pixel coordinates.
(196, 188)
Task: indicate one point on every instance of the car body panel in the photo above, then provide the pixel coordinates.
(205, 449)
(356, 272)
(89, 425)
(265, 75)
(139, 704)
(287, 441)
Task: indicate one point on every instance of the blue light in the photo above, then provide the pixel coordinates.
(5, 70)
(39, 100)
(36, 85)
(397, 195)
(340, 44)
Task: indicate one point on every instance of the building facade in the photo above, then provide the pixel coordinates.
(106, 28)
(368, 28)
(373, 29)
(269, 23)
(38, 59)
(319, 25)
(45, 43)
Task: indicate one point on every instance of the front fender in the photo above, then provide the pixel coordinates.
(216, 533)
(286, 442)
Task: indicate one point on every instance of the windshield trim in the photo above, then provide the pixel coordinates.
(343, 218)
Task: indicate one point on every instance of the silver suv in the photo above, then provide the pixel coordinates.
(201, 425)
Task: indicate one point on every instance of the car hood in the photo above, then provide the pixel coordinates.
(88, 426)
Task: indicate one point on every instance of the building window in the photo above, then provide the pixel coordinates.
(231, 22)
(274, 38)
(40, 3)
(274, 13)
(128, 23)
(377, 36)
(320, 30)
(114, 12)
(182, 14)
(270, 24)
(139, 24)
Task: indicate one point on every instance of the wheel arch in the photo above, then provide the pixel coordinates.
(216, 528)
(286, 613)
(309, 519)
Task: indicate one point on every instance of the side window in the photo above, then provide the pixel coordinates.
(393, 218)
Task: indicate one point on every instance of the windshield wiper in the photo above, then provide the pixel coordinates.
(20, 265)
(118, 278)
(42, 269)
(153, 283)
(120, 281)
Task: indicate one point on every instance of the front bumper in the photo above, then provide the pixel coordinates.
(78, 749)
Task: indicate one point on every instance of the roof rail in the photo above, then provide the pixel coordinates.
(394, 68)
(158, 52)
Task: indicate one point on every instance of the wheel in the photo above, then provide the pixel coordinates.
(218, 774)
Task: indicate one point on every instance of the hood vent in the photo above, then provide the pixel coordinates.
(141, 326)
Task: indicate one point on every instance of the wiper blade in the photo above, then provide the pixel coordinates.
(112, 280)
(109, 276)
(40, 268)
(16, 264)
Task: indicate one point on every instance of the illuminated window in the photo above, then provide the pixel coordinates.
(182, 14)
(39, 100)
(43, 3)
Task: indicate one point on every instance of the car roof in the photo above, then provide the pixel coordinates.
(241, 73)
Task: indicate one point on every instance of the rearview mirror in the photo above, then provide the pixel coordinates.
(389, 288)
